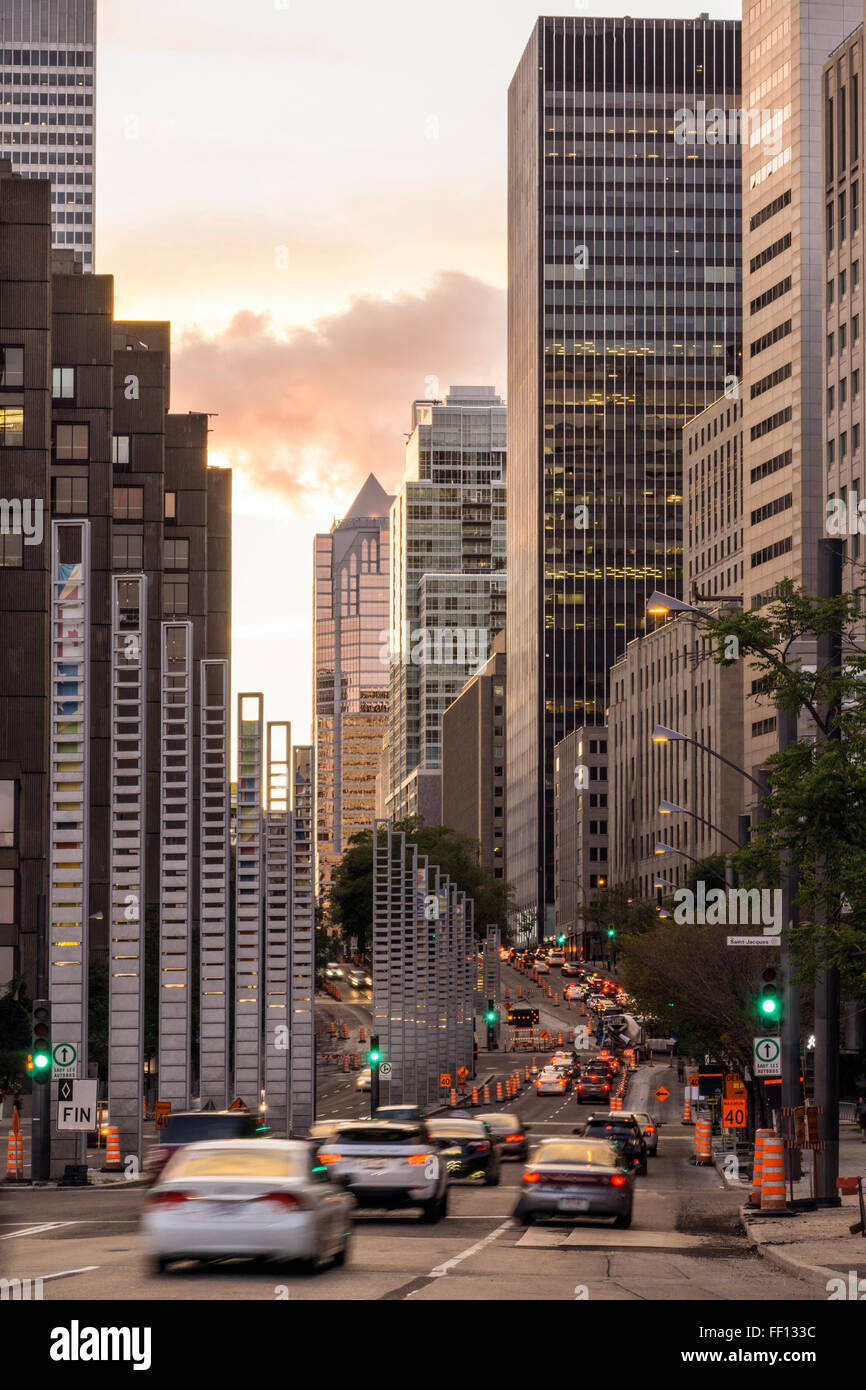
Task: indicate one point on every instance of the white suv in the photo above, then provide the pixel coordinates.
(388, 1164)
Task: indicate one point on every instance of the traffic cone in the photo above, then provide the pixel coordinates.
(112, 1150)
(345, 1061)
(559, 1038)
(474, 1100)
(453, 1100)
(362, 1037)
(520, 991)
(345, 1030)
(703, 1142)
(499, 1090)
(556, 1006)
(773, 1175)
(616, 1102)
(14, 1169)
(687, 1110)
(485, 1094)
(761, 1135)
(332, 1028)
(534, 1068)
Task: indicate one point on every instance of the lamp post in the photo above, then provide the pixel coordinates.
(670, 808)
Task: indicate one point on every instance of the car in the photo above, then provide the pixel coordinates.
(622, 1129)
(649, 1129)
(575, 1177)
(323, 1129)
(364, 1079)
(401, 1112)
(541, 967)
(267, 1198)
(357, 979)
(467, 1147)
(570, 970)
(563, 1058)
(389, 1164)
(508, 1134)
(196, 1126)
(594, 1084)
(573, 992)
(333, 971)
(556, 959)
(551, 1082)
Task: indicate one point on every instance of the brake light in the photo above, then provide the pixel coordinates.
(531, 1177)
(479, 1146)
(618, 1180)
(418, 1158)
(289, 1200)
(650, 1129)
(329, 1158)
(580, 1085)
(169, 1199)
(513, 1138)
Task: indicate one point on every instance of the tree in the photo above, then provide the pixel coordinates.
(16, 1014)
(455, 854)
(619, 908)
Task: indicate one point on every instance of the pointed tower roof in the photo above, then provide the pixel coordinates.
(372, 500)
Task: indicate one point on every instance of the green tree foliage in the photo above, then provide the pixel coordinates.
(619, 907)
(15, 1030)
(456, 855)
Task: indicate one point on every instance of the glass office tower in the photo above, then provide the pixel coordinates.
(624, 322)
(47, 77)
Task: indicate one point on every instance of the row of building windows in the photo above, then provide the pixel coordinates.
(843, 392)
(774, 335)
(768, 296)
(771, 552)
(770, 252)
(772, 422)
(766, 383)
(843, 446)
(778, 504)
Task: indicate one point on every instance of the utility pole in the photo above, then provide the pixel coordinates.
(40, 1122)
(375, 1059)
(830, 559)
(791, 1090)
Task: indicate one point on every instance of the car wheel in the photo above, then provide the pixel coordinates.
(343, 1253)
(435, 1210)
(524, 1218)
(623, 1221)
(158, 1265)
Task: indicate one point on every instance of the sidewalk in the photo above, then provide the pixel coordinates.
(817, 1246)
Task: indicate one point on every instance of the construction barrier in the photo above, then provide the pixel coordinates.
(559, 1038)
(499, 1090)
(112, 1150)
(616, 1102)
(453, 1101)
(703, 1151)
(344, 1032)
(526, 1073)
(534, 1067)
(332, 1028)
(687, 1109)
(773, 1175)
(14, 1157)
(355, 1061)
(485, 1094)
(474, 1100)
(757, 1164)
(362, 1036)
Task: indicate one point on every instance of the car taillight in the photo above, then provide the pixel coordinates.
(650, 1129)
(169, 1199)
(580, 1085)
(513, 1138)
(607, 1085)
(618, 1180)
(479, 1146)
(531, 1177)
(418, 1158)
(329, 1158)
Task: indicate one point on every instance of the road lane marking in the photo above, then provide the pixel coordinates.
(65, 1273)
(443, 1269)
(36, 1230)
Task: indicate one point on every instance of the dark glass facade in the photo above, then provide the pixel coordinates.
(624, 322)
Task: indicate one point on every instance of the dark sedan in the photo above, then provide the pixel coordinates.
(624, 1132)
(467, 1149)
(593, 1085)
(509, 1134)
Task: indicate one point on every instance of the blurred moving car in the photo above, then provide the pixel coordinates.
(333, 971)
(649, 1129)
(387, 1164)
(196, 1126)
(401, 1112)
(551, 1082)
(467, 1148)
(269, 1199)
(570, 970)
(358, 978)
(364, 1079)
(574, 1177)
(541, 967)
(556, 959)
(621, 1129)
(509, 1135)
(594, 1084)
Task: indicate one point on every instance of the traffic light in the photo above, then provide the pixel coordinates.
(770, 998)
(374, 1056)
(490, 1016)
(41, 1040)
(611, 931)
(561, 940)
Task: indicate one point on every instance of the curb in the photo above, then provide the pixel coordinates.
(817, 1276)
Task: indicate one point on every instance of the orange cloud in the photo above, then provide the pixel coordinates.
(319, 408)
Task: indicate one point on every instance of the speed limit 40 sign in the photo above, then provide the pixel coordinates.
(733, 1114)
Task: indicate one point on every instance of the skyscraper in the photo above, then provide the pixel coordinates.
(624, 322)
(48, 77)
(350, 607)
(447, 581)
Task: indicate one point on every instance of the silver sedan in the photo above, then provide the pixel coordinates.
(266, 1198)
(575, 1177)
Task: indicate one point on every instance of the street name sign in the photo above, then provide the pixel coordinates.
(753, 940)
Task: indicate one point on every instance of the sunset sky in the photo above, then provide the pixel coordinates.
(314, 195)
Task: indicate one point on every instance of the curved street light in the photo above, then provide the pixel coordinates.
(661, 734)
(670, 808)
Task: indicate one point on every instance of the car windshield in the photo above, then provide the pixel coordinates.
(191, 1129)
(502, 1124)
(380, 1134)
(615, 1131)
(576, 1151)
(241, 1161)
(461, 1129)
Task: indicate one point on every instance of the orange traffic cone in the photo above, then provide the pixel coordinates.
(703, 1142)
(499, 1090)
(773, 1174)
(761, 1135)
(112, 1150)
(534, 1068)
(332, 1028)
(474, 1100)
(345, 1061)
(687, 1110)
(453, 1100)
(362, 1036)
(14, 1169)
(485, 1094)
(559, 1038)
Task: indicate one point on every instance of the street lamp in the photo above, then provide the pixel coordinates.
(661, 734)
(660, 605)
(670, 808)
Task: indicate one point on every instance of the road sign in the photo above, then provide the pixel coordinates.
(733, 1114)
(462, 1073)
(753, 940)
(64, 1062)
(445, 1079)
(238, 1104)
(768, 1060)
(162, 1112)
(78, 1112)
(385, 1070)
(661, 1094)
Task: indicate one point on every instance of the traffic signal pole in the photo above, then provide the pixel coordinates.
(40, 1120)
(375, 1058)
(791, 1090)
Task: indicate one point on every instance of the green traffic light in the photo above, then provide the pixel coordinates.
(769, 1006)
(561, 940)
(611, 931)
(375, 1056)
(491, 1017)
(41, 1060)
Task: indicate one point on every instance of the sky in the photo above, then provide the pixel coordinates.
(315, 196)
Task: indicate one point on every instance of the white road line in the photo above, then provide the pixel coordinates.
(65, 1273)
(36, 1230)
(440, 1270)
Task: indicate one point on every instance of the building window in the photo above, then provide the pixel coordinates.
(843, 283)
(830, 288)
(126, 550)
(120, 450)
(7, 815)
(855, 438)
(831, 452)
(128, 503)
(7, 897)
(831, 397)
(63, 383)
(11, 366)
(72, 443)
(855, 383)
(842, 218)
(69, 496)
(175, 596)
(829, 228)
(171, 506)
(830, 346)
(11, 421)
(11, 551)
(177, 555)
